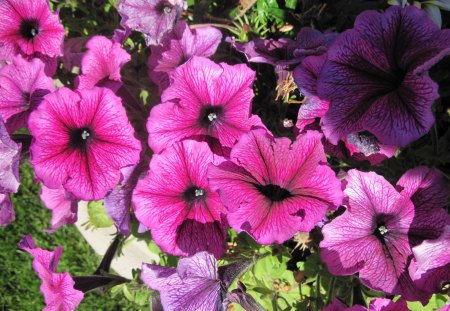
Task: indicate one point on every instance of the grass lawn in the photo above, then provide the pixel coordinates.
(19, 284)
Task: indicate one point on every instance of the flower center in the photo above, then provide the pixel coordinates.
(29, 28)
(381, 231)
(80, 137)
(274, 192)
(194, 193)
(209, 115)
(164, 7)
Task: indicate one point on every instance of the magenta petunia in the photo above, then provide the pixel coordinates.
(29, 27)
(432, 267)
(205, 100)
(58, 288)
(376, 76)
(178, 47)
(376, 304)
(81, 140)
(428, 189)
(273, 188)
(23, 84)
(73, 52)
(175, 201)
(63, 205)
(371, 237)
(154, 18)
(7, 214)
(101, 64)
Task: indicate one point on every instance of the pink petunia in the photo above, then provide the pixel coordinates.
(7, 214)
(29, 27)
(371, 237)
(23, 84)
(376, 304)
(178, 47)
(205, 101)
(175, 201)
(58, 288)
(81, 140)
(101, 64)
(154, 18)
(273, 188)
(63, 205)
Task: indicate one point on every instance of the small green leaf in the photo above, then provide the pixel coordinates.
(291, 4)
(98, 216)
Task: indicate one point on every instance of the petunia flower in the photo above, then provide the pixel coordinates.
(154, 18)
(428, 189)
(63, 205)
(431, 7)
(58, 288)
(118, 201)
(175, 201)
(273, 188)
(73, 52)
(376, 76)
(23, 84)
(101, 64)
(29, 27)
(376, 304)
(196, 284)
(371, 237)
(7, 214)
(178, 47)
(205, 100)
(81, 140)
(432, 268)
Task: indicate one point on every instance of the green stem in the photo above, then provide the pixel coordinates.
(318, 294)
(227, 27)
(331, 290)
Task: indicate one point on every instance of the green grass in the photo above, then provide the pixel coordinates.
(19, 284)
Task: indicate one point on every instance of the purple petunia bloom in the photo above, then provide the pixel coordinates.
(118, 201)
(9, 174)
(175, 201)
(29, 27)
(196, 284)
(81, 140)
(7, 214)
(206, 101)
(154, 18)
(273, 188)
(23, 84)
(58, 288)
(178, 47)
(376, 304)
(376, 76)
(63, 205)
(371, 237)
(428, 190)
(101, 64)
(432, 267)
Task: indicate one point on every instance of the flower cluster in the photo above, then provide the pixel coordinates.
(204, 168)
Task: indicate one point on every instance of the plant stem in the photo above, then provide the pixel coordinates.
(331, 290)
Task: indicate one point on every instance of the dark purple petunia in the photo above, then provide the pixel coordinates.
(178, 47)
(273, 188)
(371, 237)
(376, 76)
(154, 18)
(197, 284)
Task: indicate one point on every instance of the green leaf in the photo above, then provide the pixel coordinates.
(98, 216)
(291, 4)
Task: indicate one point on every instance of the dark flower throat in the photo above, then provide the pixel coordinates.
(209, 115)
(29, 28)
(80, 137)
(193, 194)
(274, 192)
